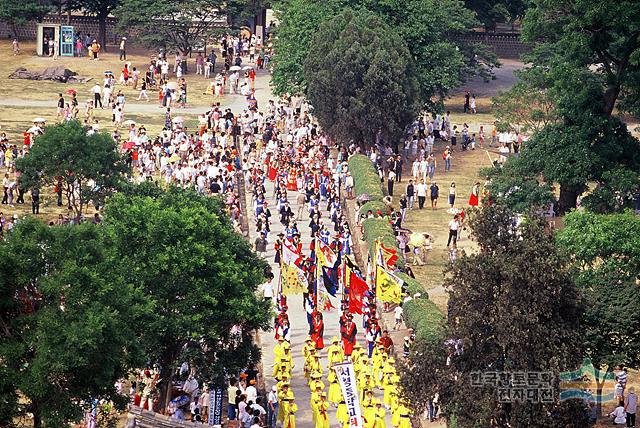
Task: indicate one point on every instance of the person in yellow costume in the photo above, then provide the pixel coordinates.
(321, 412)
(334, 352)
(308, 347)
(386, 385)
(314, 400)
(277, 350)
(366, 383)
(403, 413)
(357, 353)
(282, 370)
(316, 381)
(290, 416)
(308, 360)
(335, 393)
(284, 358)
(378, 363)
(368, 410)
(342, 415)
(395, 416)
(283, 404)
(283, 381)
(315, 365)
(379, 415)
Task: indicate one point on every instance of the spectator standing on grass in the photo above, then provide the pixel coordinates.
(435, 192)
(454, 225)
(422, 193)
(123, 49)
(452, 194)
(631, 407)
(16, 47)
(410, 194)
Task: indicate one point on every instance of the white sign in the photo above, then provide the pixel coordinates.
(347, 377)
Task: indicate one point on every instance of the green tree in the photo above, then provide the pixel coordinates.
(101, 9)
(605, 257)
(513, 307)
(430, 30)
(298, 20)
(168, 24)
(66, 321)
(362, 81)
(527, 106)
(89, 165)
(586, 50)
(17, 14)
(199, 278)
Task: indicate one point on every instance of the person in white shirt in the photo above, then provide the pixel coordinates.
(97, 91)
(267, 289)
(619, 415)
(454, 224)
(251, 391)
(397, 315)
(421, 191)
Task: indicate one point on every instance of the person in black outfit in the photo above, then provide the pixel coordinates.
(35, 200)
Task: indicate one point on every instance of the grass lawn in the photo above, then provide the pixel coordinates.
(22, 100)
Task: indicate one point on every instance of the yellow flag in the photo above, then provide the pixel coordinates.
(294, 280)
(388, 286)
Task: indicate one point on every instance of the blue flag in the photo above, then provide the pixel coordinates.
(330, 278)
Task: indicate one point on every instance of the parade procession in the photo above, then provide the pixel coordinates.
(347, 365)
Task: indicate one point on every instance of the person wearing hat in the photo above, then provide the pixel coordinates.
(316, 381)
(334, 352)
(403, 417)
(317, 330)
(368, 410)
(631, 407)
(322, 414)
(348, 332)
(335, 393)
(314, 399)
(379, 415)
(290, 410)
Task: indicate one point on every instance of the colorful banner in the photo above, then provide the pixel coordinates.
(325, 255)
(294, 280)
(388, 286)
(347, 378)
(215, 407)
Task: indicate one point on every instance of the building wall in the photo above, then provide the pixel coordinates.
(82, 24)
(505, 45)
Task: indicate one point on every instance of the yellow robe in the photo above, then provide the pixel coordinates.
(334, 352)
(342, 415)
(290, 417)
(404, 421)
(379, 418)
(322, 414)
(369, 414)
(335, 393)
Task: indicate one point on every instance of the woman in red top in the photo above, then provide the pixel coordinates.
(318, 331)
(475, 193)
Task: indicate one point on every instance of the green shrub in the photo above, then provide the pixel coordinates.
(374, 206)
(425, 318)
(365, 177)
(379, 228)
(421, 314)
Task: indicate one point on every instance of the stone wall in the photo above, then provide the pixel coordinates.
(505, 45)
(82, 24)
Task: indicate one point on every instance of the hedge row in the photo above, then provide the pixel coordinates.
(360, 167)
(420, 314)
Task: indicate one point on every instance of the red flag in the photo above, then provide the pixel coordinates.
(389, 256)
(357, 288)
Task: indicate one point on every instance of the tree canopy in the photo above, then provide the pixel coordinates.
(584, 66)
(362, 82)
(100, 9)
(67, 323)
(16, 14)
(88, 166)
(163, 280)
(197, 275)
(605, 255)
(428, 29)
(168, 24)
(513, 307)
